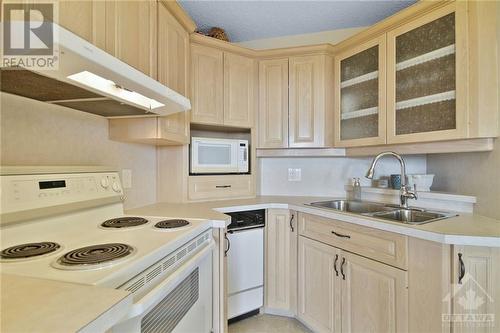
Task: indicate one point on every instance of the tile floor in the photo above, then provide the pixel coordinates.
(264, 323)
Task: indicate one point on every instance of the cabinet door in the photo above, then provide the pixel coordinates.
(206, 85)
(239, 90)
(310, 113)
(374, 296)
(131, 33)
(85, 19)
(360, 90)
(173, 64)
(273, 103)
(427, 77)
(476, 290)
(281, 262)
(319, 286)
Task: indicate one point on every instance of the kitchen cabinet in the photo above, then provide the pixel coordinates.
(427, 77)
(475, 292)
(310, 101)
(220, 187)
(281, 262)
(240, 79)
(131, 29)
(223, 87)
(360, 112)
(85, 19)
(318, 286)
(296, 108)
(207, 77)
(273, 103)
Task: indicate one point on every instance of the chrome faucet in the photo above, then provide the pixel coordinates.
(404, 193)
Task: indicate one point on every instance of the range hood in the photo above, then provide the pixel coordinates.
(91, 80)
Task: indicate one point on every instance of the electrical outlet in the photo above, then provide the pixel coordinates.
(127, 178)
(294, 174)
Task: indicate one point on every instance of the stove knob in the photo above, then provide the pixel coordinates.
(116, 187)
(105, 182)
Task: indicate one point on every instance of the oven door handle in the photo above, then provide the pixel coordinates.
(166, 286)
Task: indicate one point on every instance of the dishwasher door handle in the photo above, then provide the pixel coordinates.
(228, 245)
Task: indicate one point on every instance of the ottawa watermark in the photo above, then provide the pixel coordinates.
(472, 305)
(28, 35)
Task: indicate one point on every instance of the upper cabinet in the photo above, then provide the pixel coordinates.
(131, 33)
(86, 19)
(427, 77)
(360, 111)
(223, 87)
(296, 108)
(273, 103)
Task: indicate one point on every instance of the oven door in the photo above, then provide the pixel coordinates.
(210, 155)
(181, 303)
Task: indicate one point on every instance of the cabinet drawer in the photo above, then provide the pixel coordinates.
(380, 245)
(220, 187)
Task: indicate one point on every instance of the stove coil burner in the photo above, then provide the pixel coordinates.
(171, 224)
(29, 250)
(95, 254)
(124, 222)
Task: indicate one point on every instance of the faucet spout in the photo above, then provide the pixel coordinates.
(405, 193)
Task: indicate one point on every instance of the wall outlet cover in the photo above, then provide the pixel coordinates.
(127, 178)
(294, 174)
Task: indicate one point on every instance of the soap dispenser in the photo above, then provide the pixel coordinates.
(356, 190)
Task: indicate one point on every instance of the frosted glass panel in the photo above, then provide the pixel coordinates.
(425, 78)
(359, 95)
(214, 154)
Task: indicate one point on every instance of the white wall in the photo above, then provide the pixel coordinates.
(331, 36)
(326, 176)
(36, 133)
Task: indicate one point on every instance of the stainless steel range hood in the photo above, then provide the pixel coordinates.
(91, 80)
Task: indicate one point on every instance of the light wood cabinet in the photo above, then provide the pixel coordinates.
(318, 286)
(281, 262)
(310, 97)
(220, 187)
(476, 272)
(240, 79)
(207, 78)
(87, 19)
(273, 103)
(131, 29)
(360, 113)
(374, 296)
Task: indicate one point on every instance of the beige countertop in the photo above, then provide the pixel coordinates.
(37, 305)
(465, 229)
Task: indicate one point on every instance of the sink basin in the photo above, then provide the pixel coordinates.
(383, 211)
(412, 216)
(352, 206)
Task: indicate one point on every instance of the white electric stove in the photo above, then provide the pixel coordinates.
(71, 227)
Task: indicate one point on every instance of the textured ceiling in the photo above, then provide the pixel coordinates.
(249, 20)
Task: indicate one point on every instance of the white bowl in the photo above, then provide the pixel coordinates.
(422, 182)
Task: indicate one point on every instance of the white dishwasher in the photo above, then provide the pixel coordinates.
(245, 262)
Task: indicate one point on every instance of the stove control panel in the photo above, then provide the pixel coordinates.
(28, 192)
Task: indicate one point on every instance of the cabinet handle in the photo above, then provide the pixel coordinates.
(291, 220)
(222, 186)
(340, 235)
(342, 268)
(228, 245)
(335, 265)
(461, 274)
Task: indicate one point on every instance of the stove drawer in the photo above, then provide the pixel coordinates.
(220, 187)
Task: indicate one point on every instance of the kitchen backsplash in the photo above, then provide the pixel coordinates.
(36, 133)
(326, 176)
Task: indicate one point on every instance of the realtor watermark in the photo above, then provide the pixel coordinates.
(473, 306)
(28, 35)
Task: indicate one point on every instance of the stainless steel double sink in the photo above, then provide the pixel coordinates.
(384, 211)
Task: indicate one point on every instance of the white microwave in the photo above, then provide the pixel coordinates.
(214, 156)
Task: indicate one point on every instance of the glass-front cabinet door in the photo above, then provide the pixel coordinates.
(360, 95)
(426, 78)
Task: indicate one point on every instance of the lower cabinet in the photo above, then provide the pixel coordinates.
(343, 292)
(281, 262)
